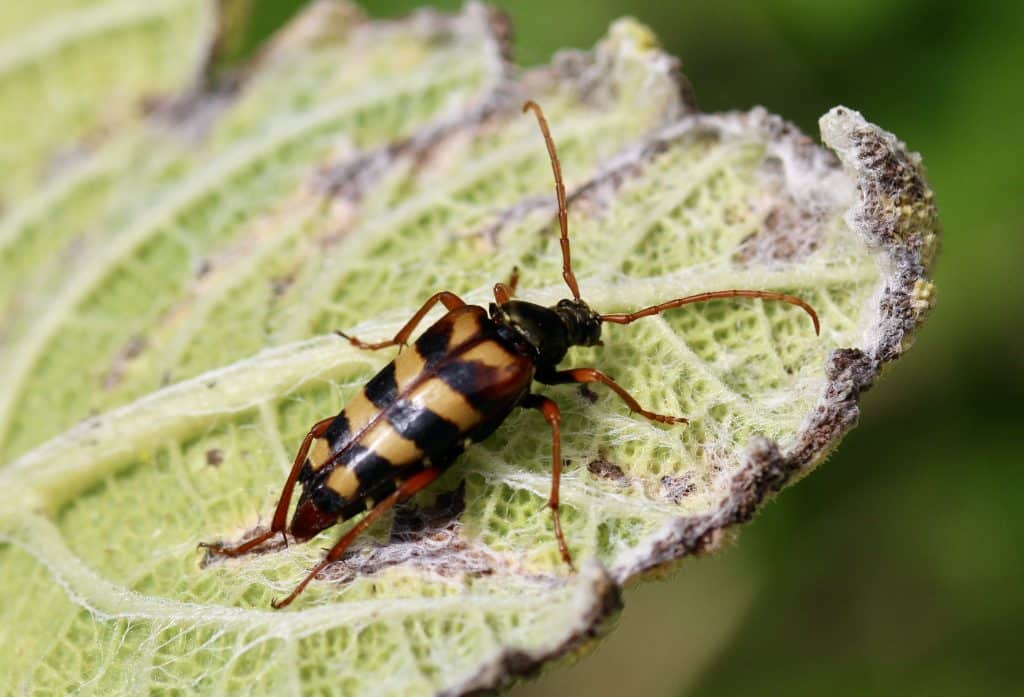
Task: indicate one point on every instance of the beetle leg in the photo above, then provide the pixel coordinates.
(584, 375)
(450, 300)
(554, 418)
(503, 292)
(513, 280)
(407, 489)
(281, 512)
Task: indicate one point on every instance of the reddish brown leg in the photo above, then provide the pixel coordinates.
(554, 418)
(593, 375)
(503, 292)
(513, 280)
(450, 300)
(408, 488)
(281, 512)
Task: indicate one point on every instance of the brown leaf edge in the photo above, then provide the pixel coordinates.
(605, 602)
(896, 217)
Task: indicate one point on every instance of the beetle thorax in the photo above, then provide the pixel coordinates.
(548, 332)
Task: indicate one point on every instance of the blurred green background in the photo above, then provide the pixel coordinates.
(898, 567)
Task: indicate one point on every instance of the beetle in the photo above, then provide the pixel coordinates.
(453, 386)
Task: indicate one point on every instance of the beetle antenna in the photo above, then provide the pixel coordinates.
(563, 216)
(627, 317)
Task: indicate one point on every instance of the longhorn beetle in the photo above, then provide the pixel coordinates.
(455, 385)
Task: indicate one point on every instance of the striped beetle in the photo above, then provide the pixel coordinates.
(455, 385)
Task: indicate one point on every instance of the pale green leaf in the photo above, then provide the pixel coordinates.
(70, 71)
(168, 300)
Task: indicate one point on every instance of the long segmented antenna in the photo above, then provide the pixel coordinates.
(563, 216)
(627, 317)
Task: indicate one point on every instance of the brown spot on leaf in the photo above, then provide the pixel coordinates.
(675, 489)
(214, 456)
(413, 520)
(606, 470)
(129, 352)
(788, 234)
(279, 285)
